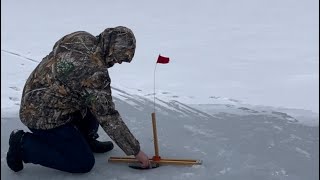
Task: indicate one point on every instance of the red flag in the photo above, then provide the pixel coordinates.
(163, 60)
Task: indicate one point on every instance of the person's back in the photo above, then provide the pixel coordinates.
(67, 96)
(54, 89)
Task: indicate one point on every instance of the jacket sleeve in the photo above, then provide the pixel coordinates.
(97, 94)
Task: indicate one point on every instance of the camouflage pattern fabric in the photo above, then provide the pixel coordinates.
(74, 77)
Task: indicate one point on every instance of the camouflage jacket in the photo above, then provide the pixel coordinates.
(74, 77)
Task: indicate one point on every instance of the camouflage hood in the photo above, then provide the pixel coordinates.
(117, 45)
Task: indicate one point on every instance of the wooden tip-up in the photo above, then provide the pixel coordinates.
(156, 159)
(161, 161)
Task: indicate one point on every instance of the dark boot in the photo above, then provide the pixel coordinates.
(14, 154)
(100, 147)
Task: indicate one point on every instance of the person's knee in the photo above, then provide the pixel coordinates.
(87, 164)
(84, 164)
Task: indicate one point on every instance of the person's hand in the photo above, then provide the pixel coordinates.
(143, 159)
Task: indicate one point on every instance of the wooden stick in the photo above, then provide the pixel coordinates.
(155, 137)
(161, 161)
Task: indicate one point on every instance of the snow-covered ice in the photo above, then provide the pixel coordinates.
(240, 92)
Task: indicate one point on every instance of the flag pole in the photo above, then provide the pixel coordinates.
(156, 157)
(154, 88)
